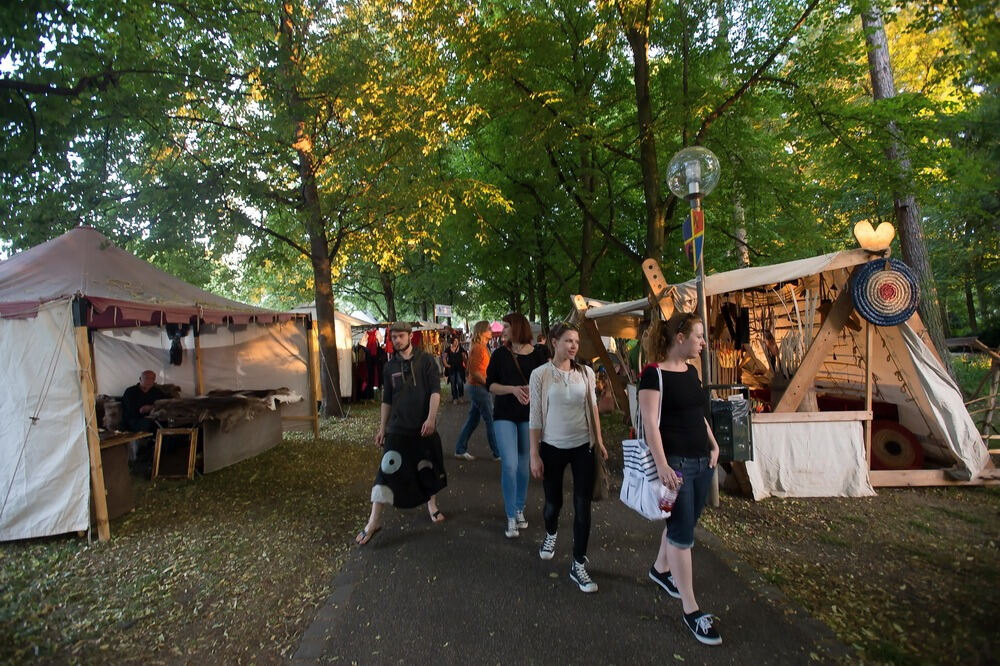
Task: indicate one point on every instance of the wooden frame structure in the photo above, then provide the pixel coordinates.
(787, 409)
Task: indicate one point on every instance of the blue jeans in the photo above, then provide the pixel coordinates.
(515, 464)
(480, 406)
(690, 499)
(456, 378)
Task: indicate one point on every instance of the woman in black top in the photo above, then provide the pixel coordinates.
(507, 379)
(454, 368)
(682, 442)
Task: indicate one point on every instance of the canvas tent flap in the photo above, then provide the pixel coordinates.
(123, 288)
(44, 463)
(809, 459)
(949, 415)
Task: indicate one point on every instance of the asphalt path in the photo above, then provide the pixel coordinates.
(459, 592)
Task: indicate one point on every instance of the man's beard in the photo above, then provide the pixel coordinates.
(404, 349)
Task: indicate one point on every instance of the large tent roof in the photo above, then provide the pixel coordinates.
(122, 289)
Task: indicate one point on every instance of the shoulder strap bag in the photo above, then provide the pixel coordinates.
(641, 483)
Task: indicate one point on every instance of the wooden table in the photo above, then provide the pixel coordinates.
(117, 480)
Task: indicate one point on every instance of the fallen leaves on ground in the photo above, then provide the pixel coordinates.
(230, 567)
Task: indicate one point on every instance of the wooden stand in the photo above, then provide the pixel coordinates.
(192, 434)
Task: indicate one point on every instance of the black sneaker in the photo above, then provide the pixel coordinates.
(548, 549)
(664, 580)
(578, 574)
(702, 625)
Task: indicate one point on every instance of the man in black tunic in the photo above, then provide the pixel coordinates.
(137, 402)
(412, 468)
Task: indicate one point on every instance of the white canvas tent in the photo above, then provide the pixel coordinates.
(345, 344)
(57, 297)
(824, 453)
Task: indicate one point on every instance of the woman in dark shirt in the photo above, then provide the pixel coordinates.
(507, 379)
(681, 442)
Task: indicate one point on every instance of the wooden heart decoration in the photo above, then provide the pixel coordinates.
(874, 240)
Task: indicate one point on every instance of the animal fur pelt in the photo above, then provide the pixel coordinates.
(227, 410)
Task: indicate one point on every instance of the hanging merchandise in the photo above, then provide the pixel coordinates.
(885, 291)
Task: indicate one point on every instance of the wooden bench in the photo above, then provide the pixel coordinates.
(192, 433)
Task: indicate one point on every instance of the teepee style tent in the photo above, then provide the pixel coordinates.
(79, 316)
(799, 449)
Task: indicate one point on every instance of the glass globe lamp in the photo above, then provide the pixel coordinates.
(693, 172)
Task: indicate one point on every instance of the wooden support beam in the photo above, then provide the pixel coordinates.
(818, 351)
(922, 477)
(661, 292)
(589, 329)
(311, 344)
(97, 489)
(811, 417)
(869, 332)
(199, 376)
(908, 374)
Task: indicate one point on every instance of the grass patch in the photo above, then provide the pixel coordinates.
(916, 584)
(227, 568)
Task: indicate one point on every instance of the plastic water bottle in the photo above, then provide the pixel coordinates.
(668, 496)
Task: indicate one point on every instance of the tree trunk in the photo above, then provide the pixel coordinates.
(587, 237)
(385, 279)
(970, 307)
(739, 220)
(313, 220)
(637, 32)
(908, 218)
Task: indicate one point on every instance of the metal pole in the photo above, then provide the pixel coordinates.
(706, 378)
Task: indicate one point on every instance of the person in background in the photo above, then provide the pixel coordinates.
(412, 468)
(566, 430)
(681, 443)
(507, 379)
(454, 368)
(480, 401)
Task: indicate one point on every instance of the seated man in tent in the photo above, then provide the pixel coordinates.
(137, 402)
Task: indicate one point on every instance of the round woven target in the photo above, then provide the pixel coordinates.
(895, 447)
(885, 291)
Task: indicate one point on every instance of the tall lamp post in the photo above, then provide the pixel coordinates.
(692, 174)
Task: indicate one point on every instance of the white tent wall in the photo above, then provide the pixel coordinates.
(345, 346)
(256, 356)
(44, 460)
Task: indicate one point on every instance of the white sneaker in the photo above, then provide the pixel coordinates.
(465, 456)
(522, 522)
(511, 530)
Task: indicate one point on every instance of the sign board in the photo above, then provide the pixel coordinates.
(442, 310)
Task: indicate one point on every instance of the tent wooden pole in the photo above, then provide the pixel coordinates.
(311, 344)
(589, 328)
(199, 376)
(818, 350)
(869, 332)
(98, 491)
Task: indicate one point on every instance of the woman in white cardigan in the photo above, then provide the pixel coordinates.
(565, 429)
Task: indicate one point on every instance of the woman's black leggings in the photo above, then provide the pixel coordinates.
(581, 461)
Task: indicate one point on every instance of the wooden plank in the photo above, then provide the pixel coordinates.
(813, 417)
(199, 376)
(818, 351)
(589, 328)
(122, 438)
(311, 344)
(98, 491)
(661, 292)
(921, 477)
(869, 332)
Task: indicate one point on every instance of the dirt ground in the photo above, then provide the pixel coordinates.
(231, 567)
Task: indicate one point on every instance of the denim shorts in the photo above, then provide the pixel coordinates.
(690, 499)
